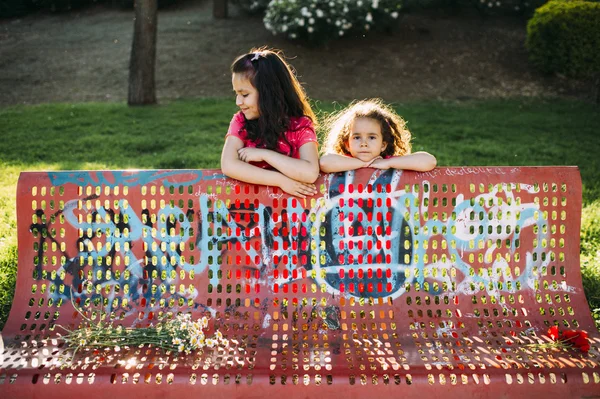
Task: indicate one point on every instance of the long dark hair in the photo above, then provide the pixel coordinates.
(280, 95)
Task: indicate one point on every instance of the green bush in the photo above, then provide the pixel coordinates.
(564, 37)
(14, 8)
(62, 5)
(17, 8)
(318, 22)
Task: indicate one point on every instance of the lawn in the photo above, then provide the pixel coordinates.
(190, 133)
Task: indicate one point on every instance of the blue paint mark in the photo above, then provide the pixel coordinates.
(127, 178)
(322, 247)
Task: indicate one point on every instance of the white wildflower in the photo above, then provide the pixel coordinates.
(359, 3)
(310, 29)
(284, 28)
(181, 348)
(338, 23)
(293, 36)
(369, 17)
(210, 342)
(367, 27)
(300, 22)
(375, 3)
(341, 33)
(319, 13)
(394, 14)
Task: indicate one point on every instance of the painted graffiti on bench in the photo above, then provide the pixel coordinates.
(372, 239)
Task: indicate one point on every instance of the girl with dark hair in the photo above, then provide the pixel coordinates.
(369, 133)
(272, 139)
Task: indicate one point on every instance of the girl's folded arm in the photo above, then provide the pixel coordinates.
(233, 167)
(331, 163)
(419, 161)
(305, 169)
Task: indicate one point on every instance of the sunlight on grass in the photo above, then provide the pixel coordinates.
(190, 134)
(590, 256)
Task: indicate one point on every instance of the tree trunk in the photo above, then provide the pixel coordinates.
(142, 89)
(220, 8)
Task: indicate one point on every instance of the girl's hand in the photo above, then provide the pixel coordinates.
(248, 154)
(380, 163)
(297, 188)
(372, 161)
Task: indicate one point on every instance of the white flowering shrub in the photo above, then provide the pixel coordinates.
(317, 21)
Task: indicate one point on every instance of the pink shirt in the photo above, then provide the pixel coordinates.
(300, 132)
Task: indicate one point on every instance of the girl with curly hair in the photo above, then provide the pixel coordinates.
(369, 133)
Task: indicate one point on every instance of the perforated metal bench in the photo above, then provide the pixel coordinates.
(399, 284)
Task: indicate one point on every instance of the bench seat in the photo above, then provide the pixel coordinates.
(384, 283)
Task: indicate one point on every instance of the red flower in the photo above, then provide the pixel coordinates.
(583, 347)
(553, 333)
(574, 338)
(581, 342)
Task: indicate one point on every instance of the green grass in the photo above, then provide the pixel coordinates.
(190, 133)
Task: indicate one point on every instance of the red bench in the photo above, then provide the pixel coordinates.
(385, 283)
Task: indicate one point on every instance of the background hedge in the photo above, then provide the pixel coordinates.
(564, 37)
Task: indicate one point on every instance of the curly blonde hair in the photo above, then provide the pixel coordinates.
(393, 128)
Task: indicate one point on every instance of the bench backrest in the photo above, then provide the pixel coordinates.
(383, 275)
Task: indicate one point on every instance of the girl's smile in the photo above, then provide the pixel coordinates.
(246, 96)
